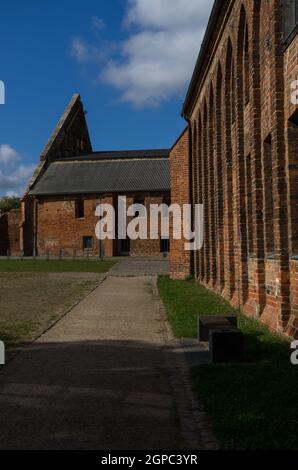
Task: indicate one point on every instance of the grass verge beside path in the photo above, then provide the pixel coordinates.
(55, 266)
(252, 405)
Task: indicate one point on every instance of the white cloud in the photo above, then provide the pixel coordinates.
(168, 14)
(79, 50)
(14, 175)
(152, 71)
(84, 52)
(157, 60)
(97, 24)
(8, 155)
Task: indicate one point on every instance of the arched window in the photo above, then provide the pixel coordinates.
(245, 174)
(206, 190)
(292, 130)
(233, 93)
(229, 94)
(212, 190)
(268, 198)
(246, 65)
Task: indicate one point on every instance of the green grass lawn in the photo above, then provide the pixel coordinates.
(35, 293)
(55, 266)
(30, 302)
(253, 405)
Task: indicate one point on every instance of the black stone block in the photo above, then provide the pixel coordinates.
(208, 322)
(226, 345)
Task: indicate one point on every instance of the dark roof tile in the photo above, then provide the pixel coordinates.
(85, 176)
(120, 155)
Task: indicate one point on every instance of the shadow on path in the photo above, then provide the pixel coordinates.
(88, 395)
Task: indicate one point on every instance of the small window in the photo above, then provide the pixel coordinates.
(164, 245)
(290, 14)
(140, 201)
(293, 186)
(87, 243)
(80, 209)
(124, 246)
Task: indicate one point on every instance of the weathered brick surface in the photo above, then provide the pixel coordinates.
(245, 164)
(4, 241)
(292, 326)
(57, 227)
(27, 226)
(180, 194)
(10, 233)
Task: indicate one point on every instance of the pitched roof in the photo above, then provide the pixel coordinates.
(106, 172)
(72, 118)
(73, 114)
(121, 154)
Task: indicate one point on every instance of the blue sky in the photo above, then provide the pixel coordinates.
(131, 61)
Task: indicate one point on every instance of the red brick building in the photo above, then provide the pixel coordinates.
(58, 211)
(10, 223)
(243, 159)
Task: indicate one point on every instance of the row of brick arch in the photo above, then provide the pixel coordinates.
(224, 179)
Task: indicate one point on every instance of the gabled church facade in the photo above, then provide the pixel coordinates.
(71, 180)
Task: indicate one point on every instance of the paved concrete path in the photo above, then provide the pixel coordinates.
(139, 267)
(99, 379)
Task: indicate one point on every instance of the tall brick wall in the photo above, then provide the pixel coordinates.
(292, 326)
(180, 194)
(245, 163)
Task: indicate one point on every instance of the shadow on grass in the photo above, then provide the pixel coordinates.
(253, 405)
(17, 334)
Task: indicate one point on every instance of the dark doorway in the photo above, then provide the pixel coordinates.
(124, 247)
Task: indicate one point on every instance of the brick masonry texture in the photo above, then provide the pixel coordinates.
(58, 228)
(180, 194)
(244, 163)
(10, 233)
